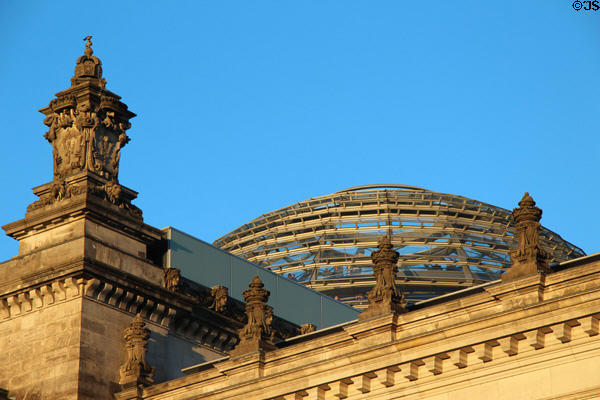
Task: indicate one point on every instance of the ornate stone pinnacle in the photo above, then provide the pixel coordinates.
(527, 211)
(529, 257)
(384, 298)
(256, 293)
(386, 253)
(87, 126)
(136, 371)
(257, 334)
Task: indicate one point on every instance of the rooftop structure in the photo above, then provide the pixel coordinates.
(206, 264)
(446, 242)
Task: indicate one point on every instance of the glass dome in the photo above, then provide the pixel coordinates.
(446, 242)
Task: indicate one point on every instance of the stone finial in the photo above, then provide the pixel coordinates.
(136, 371)
(172, 278)
(88, 66)
(307, 328)
(384, 298)
(220, 298)
(529, 257)
(257, 334)
(88, 45)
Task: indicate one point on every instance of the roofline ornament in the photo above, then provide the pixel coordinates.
(529, 257)
(384, 298)
(257, 334)
(136, 371)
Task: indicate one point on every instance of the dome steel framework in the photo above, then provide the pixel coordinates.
(446, 242)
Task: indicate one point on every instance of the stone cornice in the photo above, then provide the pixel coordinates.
(526, 318)
(179, 313)
(86, 205)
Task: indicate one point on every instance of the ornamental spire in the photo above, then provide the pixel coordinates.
(529, 257)
(257, 334)
(384, 298)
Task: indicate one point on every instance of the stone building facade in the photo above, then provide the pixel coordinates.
(88, 264)
(88, 312)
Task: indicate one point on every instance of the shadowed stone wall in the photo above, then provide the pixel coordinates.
(40, 351)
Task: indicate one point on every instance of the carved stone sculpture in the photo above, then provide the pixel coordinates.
(87, 132)
(257, 334)
(136, 371)
(172, 278)
(529, 257)
(87, 125)
(307, 328)
(220, 297)
(384, 298)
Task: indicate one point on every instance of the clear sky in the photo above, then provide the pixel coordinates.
(248, 106)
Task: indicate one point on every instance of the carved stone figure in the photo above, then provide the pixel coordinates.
(257, 334)
(113, 192)
(135, 370)
(384, 298)
(307, 328)
(529, 257)
(172, 278)
(220, 297)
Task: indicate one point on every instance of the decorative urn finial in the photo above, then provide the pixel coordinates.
(136, 371)
(384, 298)
(257, 334)
(529, 257)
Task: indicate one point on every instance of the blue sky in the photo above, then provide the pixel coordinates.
(245, 107)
